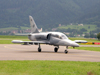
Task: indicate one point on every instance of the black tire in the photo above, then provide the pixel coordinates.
(39, 49)
(55, 49)
(66, 51)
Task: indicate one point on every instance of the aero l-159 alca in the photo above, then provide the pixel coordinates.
(51, 38)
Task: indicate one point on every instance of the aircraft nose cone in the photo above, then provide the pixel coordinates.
(70, 43)
(75, 44)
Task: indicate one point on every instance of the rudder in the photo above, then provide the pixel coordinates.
(34, 28)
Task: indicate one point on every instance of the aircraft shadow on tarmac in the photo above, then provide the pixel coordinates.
(59, 52)
(38, 52)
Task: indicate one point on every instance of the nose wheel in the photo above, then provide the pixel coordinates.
(66, 51)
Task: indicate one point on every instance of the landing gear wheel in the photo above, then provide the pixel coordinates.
(39, 49)
(55, 49)
(66, 51)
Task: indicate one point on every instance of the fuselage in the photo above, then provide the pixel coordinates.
(43, 36)
(55, 38)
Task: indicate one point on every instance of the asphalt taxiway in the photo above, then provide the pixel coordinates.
(29, 52)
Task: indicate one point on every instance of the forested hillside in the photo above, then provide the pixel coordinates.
(49, 13)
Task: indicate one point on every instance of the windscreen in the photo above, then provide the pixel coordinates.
(64, 36)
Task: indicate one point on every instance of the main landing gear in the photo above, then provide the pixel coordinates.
(56, 49)
(66, 51)
(39, 48)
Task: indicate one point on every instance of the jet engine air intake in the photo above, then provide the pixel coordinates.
(53, 35)
(48, 36)
(29, 36)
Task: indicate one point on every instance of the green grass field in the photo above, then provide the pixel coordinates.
(48, 68)
(4, 39)
(13, 28)
(92, 27)
(87, 39)
(12, 37)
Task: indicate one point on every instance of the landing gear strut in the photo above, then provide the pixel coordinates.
(56, 49)
(66, 51)
(39, 48)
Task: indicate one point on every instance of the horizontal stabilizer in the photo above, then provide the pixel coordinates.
(80, 41)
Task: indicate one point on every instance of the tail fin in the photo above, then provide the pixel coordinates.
(34, 28)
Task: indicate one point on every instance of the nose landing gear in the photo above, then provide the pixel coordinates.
(66, 51)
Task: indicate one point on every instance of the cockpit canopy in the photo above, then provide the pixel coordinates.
(60, 36)
(64, 36)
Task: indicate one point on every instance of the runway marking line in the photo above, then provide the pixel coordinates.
(13, 48)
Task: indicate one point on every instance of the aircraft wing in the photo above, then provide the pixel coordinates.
(80, 41)
(29, 42)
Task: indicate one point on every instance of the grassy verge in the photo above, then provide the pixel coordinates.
(6, 42)
(92, 27)
(87, 48)
(48, 68)
(4, 39)
(87, 39)
(13, 28)
(13, 37)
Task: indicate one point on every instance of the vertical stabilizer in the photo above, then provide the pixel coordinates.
(34, 28)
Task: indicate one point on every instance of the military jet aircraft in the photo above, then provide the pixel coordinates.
(51, 38)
